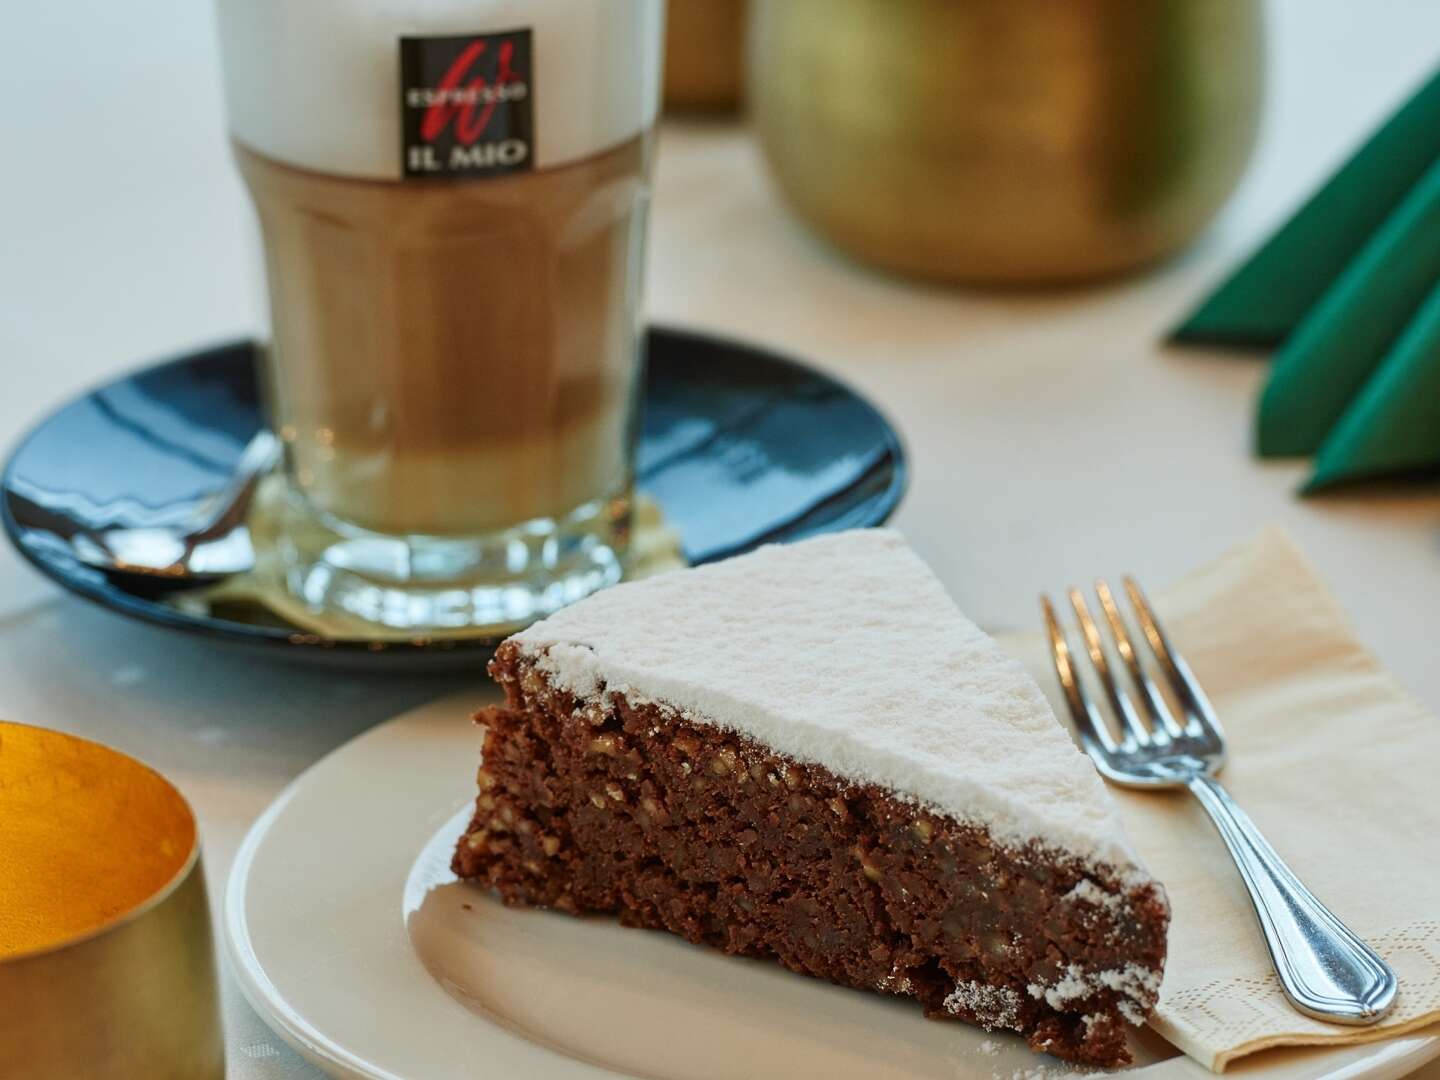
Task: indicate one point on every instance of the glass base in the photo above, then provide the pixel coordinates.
(491, 584)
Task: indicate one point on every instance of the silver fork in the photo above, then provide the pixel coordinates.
(1326, 971)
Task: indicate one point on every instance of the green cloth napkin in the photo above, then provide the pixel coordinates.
(1347, 334)
(1393, 426)
(1349, 289)
(1269, 295)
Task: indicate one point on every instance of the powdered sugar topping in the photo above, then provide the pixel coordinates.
(845, 651)
(1137, 986)
(895, 983)
(1087, 892)
(991, 1006)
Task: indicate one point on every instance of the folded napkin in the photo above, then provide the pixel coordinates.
(260, 595)
(1339, 344)
(1343, 289)
(1393, 424)
(1334, 762)
(1268, 296)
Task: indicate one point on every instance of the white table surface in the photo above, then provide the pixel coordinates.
(1051, 437)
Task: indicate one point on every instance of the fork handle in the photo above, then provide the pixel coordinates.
(1325, 970)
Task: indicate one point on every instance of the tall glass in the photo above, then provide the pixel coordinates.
(453, 198)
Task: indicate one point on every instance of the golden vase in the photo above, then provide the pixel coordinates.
(1007, 141)
(704, 55)
(107, 968)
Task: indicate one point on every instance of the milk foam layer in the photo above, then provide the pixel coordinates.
(316, 83)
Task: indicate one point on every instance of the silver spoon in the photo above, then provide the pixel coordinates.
(213, 545)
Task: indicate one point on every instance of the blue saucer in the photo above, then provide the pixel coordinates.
(740, 447)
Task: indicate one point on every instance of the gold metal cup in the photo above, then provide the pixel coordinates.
(1006, 141)
(704, 55)
(107, 967)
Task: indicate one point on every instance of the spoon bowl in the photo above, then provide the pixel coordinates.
(213, 545)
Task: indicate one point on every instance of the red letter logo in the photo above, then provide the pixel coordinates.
(470, 123)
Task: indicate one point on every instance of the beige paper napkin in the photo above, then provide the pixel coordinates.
(1336, 764)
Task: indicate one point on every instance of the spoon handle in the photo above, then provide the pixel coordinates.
(232, 502)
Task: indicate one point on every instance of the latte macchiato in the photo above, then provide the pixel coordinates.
(466, 350)
(452, 196)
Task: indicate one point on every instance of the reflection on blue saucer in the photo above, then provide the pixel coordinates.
(739, 448)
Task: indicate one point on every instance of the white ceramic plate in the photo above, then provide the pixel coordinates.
(353, 940)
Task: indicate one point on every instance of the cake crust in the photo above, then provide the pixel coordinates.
(612, 803)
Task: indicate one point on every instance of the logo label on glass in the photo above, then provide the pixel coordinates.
(466, 105)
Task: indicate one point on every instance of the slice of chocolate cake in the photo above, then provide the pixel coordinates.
(807, 753)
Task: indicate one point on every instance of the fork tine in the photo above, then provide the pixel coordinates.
(1198, 710)
(1135, 732)
(1095, 737)
(1161, 718)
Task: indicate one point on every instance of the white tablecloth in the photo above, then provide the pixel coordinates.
(1051, 437)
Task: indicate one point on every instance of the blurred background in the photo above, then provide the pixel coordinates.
(1052, 433)
(127, 236)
